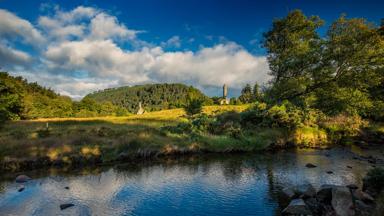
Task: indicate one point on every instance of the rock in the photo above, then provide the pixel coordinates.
(324, 195)
(363, 209)
(315, 207)
(22, 178)
(349, 167)
(67, 188)
(365, 197)
(289, 192)
(305, 190)
(21, 189)
(329, 172)
(342, 201)
(309, 165)
(297, 207)
(352, 186)
(67, 205)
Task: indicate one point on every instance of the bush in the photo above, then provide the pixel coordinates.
(194, 106)
(202, 123)
(343, 126)
(226, 123)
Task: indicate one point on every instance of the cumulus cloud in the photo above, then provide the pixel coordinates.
(174, 41)
(84, 52)
(12, 57)
(12, 26)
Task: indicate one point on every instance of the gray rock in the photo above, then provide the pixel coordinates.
(342, 201)
(324, 195)
(289, 192)
(305, 190)
(365, 197)
(297, 207)
(22, 178)
(363, 209)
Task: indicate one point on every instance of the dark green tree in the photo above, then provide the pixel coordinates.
(246, 94)
(193, 107)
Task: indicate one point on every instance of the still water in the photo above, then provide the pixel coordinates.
(240, 184)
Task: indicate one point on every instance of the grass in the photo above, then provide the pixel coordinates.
(110, 137)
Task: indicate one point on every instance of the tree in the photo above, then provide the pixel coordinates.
(246, 94)
(292, 46)
(193, 107)
(311, 71)
(257, 95)
(11, 105)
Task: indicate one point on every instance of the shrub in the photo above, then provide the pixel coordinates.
(285, 115)
(254, 116)
(343, 126)
(226, 123)
(193, 107)
(202, 122)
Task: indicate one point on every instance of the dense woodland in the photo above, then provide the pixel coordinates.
(152, 96)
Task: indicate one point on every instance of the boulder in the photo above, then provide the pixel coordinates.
(324, 195)
(297, 207)
(342, 201)
(362, 209)
(309, 165)
(289, 192)
(365, 197)
(22, 178)
(305, 190)
(66, 205)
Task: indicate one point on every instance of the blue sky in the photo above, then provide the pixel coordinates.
(202, 43)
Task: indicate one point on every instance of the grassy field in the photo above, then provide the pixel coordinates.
(109, 138)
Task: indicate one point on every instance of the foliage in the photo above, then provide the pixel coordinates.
(194, 106)
(152, 96)
(342, 72)
(249, 94)
(343, 126)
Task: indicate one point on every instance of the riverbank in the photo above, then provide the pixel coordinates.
(73, 142)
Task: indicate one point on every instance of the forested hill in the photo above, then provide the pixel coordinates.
(22, 100)
(152, 96)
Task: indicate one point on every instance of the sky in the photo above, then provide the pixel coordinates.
(77, 47)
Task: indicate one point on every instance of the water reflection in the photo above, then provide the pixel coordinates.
(218, 185)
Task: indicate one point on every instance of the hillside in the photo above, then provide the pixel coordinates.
(22, 100)
(152, 96)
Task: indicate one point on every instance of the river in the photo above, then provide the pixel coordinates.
(236, 184)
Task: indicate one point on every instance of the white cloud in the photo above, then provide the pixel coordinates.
(104, 26)
(84, 52)
(213, 66)
(12, 26)
(172, 42)
(12, 57)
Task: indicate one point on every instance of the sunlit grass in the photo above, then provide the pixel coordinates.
(60, 138)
